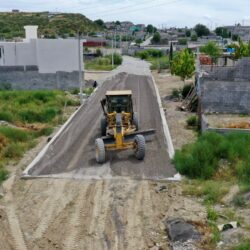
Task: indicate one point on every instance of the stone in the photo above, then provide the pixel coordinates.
(179, 230)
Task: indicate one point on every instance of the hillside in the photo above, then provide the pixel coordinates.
(50, 24)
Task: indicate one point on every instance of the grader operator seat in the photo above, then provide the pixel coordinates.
(118, 101)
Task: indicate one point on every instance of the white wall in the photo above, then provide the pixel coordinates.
(50, 55)
(58, 55)
(19, 53)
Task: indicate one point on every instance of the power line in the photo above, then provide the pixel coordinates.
(135, 10)
(123, 7)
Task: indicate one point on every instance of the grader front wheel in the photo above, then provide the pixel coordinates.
(140, 147)
(100, 154)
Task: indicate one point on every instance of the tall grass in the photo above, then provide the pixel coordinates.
(202, 158)
(32, 106)
(34, 113)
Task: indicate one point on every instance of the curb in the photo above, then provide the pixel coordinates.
(168, 139)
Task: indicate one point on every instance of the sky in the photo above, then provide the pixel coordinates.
(161, 13)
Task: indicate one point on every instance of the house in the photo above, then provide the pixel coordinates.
(40, 63)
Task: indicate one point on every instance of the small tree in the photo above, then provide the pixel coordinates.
(183, 64)
(212, 50)
(156, 38)
(194, 38)
(150, 29)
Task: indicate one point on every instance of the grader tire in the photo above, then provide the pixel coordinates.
(140, 148)
(100, 151)
(136, 121)
(103, 126)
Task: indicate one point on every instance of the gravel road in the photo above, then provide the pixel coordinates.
(72, 154)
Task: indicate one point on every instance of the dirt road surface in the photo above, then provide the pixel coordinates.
(120, 212)
(72, 154)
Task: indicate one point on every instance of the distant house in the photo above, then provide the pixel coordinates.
(40, 63)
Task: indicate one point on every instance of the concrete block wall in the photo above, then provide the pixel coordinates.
(225, 97)
(33, 80)
(227, 89)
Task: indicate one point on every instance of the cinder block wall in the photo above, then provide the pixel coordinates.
(225, 97)
(31, 79)
(227, 89)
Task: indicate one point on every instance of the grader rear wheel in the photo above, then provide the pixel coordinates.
(100, 154)
(140, 147)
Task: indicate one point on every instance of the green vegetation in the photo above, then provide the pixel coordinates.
(155, 57)
(202, 158)
(223, 32)
(201, 30)
(156, 38)
(241, 50)
(244, 245)
(192, 121)
(104, 63)
(183, 64)
(151, 29)
(194, 38)
(212, 50)
(212, 191)
(50, 25)
(182, 41)
(32, 114)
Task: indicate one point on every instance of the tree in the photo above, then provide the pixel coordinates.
(212, 50)
(100, 22)
(201, 30)
(194, 38)
(188, 33)
(223, 32)
(151, 29)
(156, 38)
(183, 64)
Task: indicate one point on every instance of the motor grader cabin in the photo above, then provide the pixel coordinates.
(120, 126)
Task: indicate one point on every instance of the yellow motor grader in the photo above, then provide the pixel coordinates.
(120, 126)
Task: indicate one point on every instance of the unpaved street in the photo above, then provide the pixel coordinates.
(72, 154)
(118, 211)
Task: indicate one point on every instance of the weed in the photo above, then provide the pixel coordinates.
(245, 245)
(192, 121)
(14, 135)
(239, 201)
(6, 116)
(14, 151)
(211, 191)
(3, 174)
(212, 215)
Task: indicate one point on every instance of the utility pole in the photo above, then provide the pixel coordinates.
(112, 50)
(80, 69)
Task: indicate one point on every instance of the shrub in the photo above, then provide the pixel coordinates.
(192, 121)
(6, 116)
(143, 55)
(201, 159)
